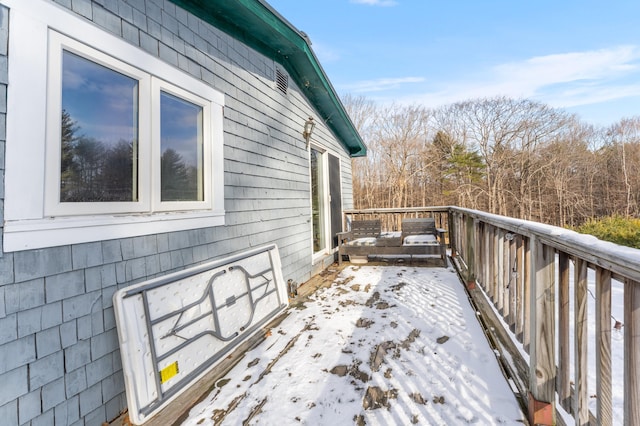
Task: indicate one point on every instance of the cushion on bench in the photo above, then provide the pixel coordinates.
(364, 241)
(420, 240)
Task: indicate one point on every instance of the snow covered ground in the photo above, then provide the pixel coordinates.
(382, 345)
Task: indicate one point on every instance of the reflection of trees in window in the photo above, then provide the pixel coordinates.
(181, 145)
(91, 170)
(179, 181)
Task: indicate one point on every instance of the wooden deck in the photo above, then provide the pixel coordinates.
(395, 341)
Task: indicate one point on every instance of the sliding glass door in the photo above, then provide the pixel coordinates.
(326, 200)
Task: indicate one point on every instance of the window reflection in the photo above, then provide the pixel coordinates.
(181, 147)
(99, 137)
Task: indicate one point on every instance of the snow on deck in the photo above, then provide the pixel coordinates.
(382, 345)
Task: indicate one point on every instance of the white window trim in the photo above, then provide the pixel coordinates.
(26, 225)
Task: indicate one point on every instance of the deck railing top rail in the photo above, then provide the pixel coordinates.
(620, 260)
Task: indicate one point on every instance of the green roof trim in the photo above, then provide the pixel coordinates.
(259, 26)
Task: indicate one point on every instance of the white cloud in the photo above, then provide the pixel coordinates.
(383, 3)
(325, 53)
(381, 84)
(561, 80)
(541, 71)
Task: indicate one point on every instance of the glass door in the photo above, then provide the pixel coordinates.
(326, 200)
(318, 205)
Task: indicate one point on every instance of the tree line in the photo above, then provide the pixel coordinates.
(513, 157)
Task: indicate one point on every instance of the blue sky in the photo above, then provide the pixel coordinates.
(579, 55)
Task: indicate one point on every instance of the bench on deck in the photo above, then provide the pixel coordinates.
(417, 237)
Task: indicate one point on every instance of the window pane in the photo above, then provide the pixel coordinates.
(99, 140)
(181, 148)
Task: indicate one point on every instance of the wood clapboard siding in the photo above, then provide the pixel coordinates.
(267, 200)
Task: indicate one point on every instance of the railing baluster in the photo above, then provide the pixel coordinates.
(471, 250)
(500, 273)
(581, 411)
(486, 235)
(513, 288)
(564, 371)
(506, 305)
(496, 266)
(479, 255)
(519, 285)
(603, 346)
(526, 293)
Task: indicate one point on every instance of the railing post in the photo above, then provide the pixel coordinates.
(453, 231)
(542, 370)
(564, 358)
(603, 346)
(470, 256)
(631, 352)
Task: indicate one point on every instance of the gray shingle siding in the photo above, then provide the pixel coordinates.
(59, 357)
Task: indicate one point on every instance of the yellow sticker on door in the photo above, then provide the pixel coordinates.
(168, 372)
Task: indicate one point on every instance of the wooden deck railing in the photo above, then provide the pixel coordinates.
(518, 274)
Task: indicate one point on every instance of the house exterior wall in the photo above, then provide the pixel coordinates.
(59, 357)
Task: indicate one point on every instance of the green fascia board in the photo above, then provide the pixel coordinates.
(257, 25)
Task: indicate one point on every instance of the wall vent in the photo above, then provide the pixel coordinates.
(282, 81)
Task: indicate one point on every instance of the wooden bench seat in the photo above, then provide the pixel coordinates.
(418, 237)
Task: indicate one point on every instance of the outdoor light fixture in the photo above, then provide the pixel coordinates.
(309, 125)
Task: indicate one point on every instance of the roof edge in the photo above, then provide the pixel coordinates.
(258, 25)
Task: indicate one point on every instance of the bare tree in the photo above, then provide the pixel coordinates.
(514, 157)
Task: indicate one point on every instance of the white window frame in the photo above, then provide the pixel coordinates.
(53, 207)
(34, 218)
(163, 86)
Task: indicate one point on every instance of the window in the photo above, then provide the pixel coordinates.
(116, 142)
(181, 149)
(97, 160)
(182, 130)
